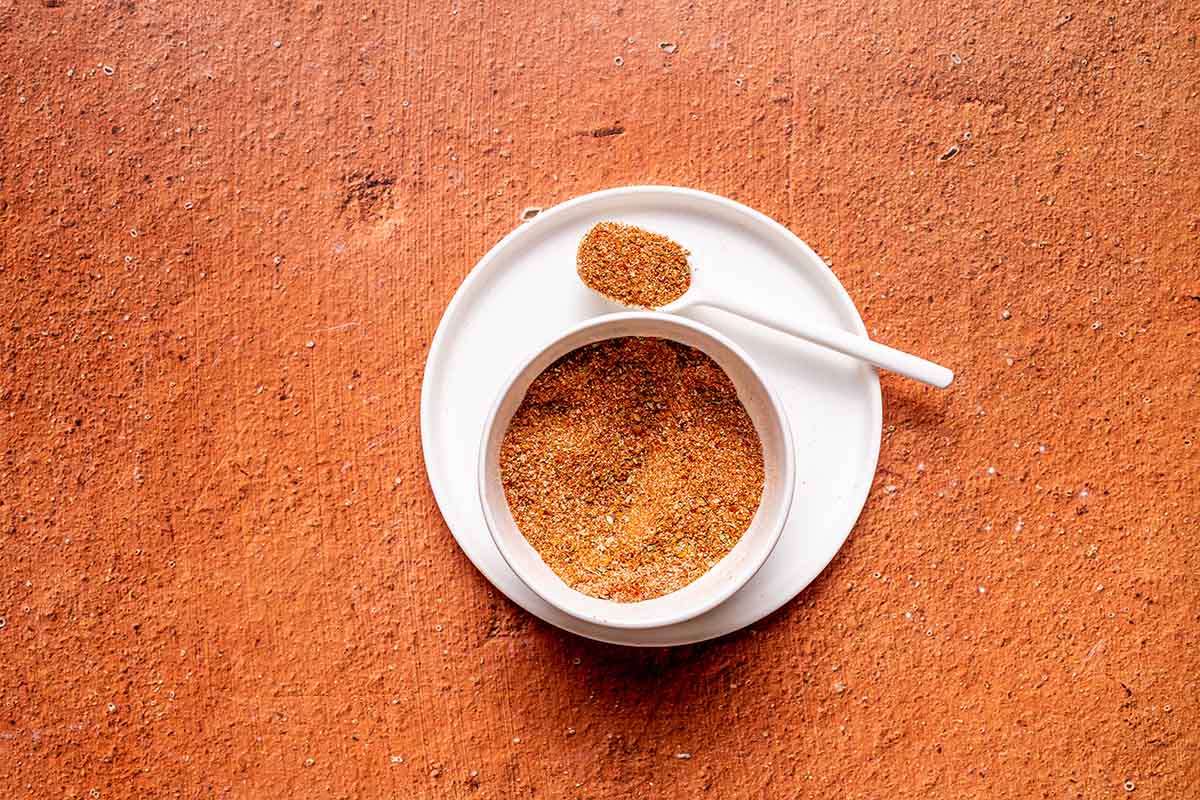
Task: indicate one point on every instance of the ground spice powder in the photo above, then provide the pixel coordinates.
(632, 467)
(633, 266)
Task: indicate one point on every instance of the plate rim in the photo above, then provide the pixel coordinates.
(437, 344)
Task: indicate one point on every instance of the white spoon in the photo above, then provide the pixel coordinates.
(842, 341)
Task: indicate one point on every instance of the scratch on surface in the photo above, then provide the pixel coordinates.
(343, 326)
(1097, 650)
(380, 438)
(212, 477)
(949, 154)
(611, 130)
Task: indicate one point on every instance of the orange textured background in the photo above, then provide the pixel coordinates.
(223, 571)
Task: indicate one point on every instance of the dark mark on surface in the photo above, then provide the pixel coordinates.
(949, 154)
(1063, 20)
(612, 130)
(366, 190)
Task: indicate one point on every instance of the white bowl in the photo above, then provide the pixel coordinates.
(727, 575)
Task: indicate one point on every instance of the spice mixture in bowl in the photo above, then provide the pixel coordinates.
(637, 471)
(632, 467)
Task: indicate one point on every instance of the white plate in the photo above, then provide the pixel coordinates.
(524, 292)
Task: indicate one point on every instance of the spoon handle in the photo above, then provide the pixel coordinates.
(844, 342)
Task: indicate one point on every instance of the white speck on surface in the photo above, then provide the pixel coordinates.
(1130, 786)
(310, 344)
(921, 467)
(991, 470)
(839, 687)
(1006, 314)
(982, 590)
(890, 489)
(683, 756)
(277, 44)
(308, 762)
(516, 740)
(397, 759)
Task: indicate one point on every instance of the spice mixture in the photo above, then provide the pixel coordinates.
(632, 467)
(633, 266)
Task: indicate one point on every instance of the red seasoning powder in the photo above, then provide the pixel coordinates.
(632, 467)
(633, 266)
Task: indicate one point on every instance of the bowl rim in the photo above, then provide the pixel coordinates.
(787, 471)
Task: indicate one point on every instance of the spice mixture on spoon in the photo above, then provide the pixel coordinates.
(633, 266)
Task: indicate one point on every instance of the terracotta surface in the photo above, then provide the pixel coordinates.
(224, 574)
